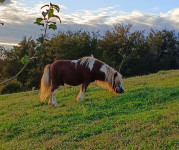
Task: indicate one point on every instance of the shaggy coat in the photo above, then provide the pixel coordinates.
(75, 72)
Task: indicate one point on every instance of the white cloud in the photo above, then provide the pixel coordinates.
(16, 13)
(109, 16)
(6, 43)
(172, 17)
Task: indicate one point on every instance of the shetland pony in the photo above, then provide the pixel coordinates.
(75, 72)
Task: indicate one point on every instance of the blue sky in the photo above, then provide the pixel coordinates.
(91, 15)
(153, 6)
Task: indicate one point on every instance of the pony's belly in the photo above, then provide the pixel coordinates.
(73, 80)
(73, 83)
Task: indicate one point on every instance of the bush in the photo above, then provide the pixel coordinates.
(11, 88)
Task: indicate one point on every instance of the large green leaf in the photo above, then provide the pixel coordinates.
(55, 7)
(50, 13)
(25, 59)
(40, 24)
(52, 26)
(38, 20)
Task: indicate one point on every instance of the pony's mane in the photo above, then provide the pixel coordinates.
(106, 85)
(89, 61)
(89, 58)
(109, 76)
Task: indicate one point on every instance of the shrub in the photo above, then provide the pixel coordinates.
(11, 88)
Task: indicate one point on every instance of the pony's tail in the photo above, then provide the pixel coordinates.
(45, 84)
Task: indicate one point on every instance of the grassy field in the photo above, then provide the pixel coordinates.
(145, 117)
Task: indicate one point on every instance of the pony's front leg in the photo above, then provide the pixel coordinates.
(80, 95)
(82, 92)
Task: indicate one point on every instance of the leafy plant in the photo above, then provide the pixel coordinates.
(46, 19)
(47, 22)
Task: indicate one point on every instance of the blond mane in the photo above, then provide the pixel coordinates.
(109, 79)
(105, 85)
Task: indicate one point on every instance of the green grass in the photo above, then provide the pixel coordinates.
(145, 117)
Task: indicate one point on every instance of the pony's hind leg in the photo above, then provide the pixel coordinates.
(52, 100)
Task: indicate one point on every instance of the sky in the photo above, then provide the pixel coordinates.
(89, 15)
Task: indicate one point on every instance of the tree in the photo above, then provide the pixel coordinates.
(120, 44)
(71, 45)
(128, 40)
(163, 49)
(169, 55)
(12, 61)
(2, 50)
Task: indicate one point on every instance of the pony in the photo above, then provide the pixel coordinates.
(75, 72)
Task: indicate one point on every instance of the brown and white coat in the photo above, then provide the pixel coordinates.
(75, 72)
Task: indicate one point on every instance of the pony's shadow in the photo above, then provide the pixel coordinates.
(40, 104)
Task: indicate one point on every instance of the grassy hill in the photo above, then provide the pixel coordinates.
(145, 117)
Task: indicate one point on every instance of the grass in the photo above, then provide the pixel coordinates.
(145, 117)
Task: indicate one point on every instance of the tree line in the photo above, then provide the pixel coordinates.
(133, 53)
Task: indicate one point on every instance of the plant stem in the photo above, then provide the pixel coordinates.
(19, 71)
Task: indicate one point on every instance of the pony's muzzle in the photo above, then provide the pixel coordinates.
(120, 89)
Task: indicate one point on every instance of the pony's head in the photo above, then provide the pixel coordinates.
(113, 80)
(117, 83)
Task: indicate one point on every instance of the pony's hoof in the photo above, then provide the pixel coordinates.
(56, 105)
(49, 103)
(78, 99)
